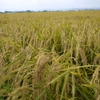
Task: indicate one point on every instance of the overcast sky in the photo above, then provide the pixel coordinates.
(36, 5)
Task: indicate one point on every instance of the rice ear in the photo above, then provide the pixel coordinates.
(83, 56)
(39, 74)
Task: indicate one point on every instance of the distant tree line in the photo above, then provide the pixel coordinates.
(46, 10)
(24, 11)
(18, 11)
(1, 12)
(30, 11)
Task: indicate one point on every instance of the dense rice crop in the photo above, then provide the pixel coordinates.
(50, 56)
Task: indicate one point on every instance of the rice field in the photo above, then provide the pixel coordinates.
(50, 56)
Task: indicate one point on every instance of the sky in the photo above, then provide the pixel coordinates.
(39, 5)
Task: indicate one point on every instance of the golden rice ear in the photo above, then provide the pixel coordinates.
(63, 41)
(39, 74)
(96, 60)
(83, 56)
(95, 81)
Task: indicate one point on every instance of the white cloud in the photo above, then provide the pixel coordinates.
(46, 4)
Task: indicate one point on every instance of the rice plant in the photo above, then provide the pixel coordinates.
(50, 56)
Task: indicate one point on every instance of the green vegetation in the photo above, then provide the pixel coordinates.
(50, 56)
